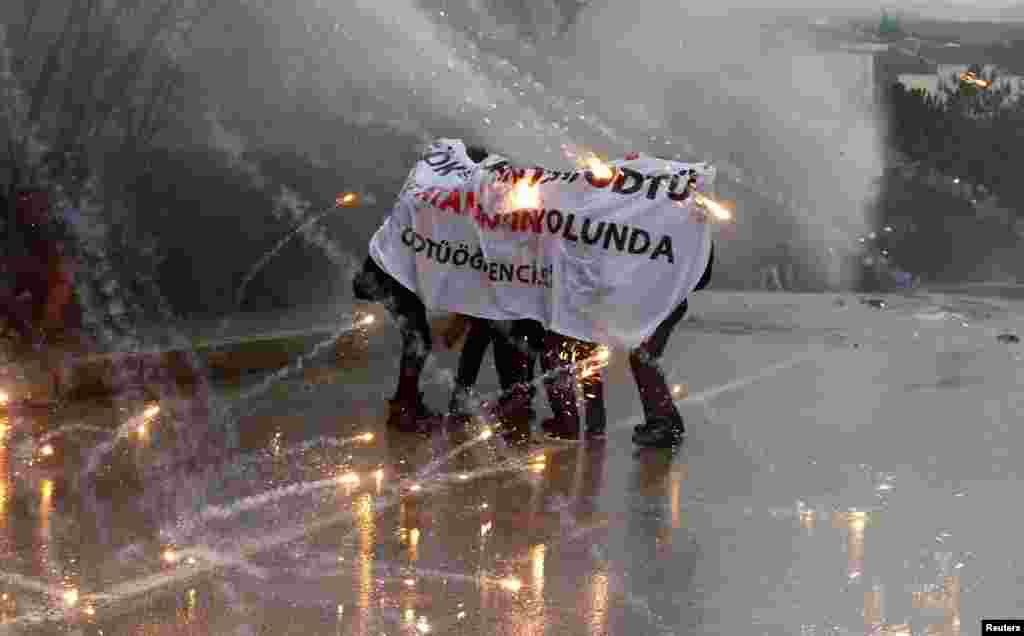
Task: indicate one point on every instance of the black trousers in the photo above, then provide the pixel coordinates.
(408, 311)
(517, 345)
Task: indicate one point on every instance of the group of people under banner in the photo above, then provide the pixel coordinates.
(518, 346)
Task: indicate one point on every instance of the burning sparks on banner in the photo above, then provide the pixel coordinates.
(719, 211)
(524, 196)
(346, 200)
(970, 77)
(589, 160)
(601, 170)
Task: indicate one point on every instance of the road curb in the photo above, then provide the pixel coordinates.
(97, 375)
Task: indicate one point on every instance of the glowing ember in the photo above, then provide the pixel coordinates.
(511, 584)
(347, 199)
(601, 170)
(415, 487)
(524, 196)
(71, 597)
(486, 434)
(367, 320)
(4, 398)
(717, 210)
(169, 556)
(46, 450)
(151, 411)
(596, 362)
(367, 437)
(350, 479)
(463, 476)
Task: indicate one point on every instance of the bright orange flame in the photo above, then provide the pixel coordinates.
(367, 437)
(601, 170)
(524, 196)
(717, 210)
(349, 198)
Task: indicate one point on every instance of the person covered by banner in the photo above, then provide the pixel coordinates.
(662, 427)
(516, 343)
(591, 258)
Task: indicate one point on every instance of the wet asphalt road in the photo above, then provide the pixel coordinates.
(849, 469)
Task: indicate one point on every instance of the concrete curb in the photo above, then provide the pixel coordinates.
(97, 375)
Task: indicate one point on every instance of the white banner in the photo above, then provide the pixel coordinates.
(601, 261)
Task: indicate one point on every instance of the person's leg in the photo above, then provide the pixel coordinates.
(407, 408)
(663, 425)
(411, 316)
(17, 317)
(512, 357)
(645, 366)
(533, 333)
(471, 358)
(593, 392)
(560, 386)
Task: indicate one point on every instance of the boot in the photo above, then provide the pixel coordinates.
(596, 417)
(565, 427)
(410, 416)
(514, 412)
(459, 413)
(660, 432)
